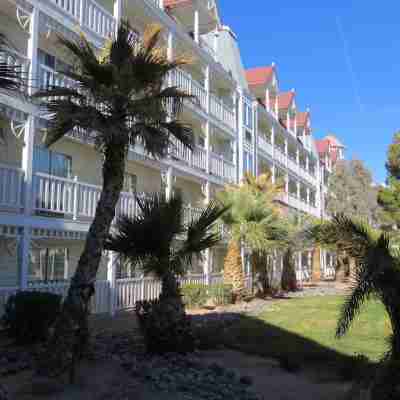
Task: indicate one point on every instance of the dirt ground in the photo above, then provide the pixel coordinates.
(101, 381)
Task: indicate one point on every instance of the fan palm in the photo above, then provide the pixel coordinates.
(119, 97)
(254, 221)
(10, 75)
(158, 241)
(377, 271)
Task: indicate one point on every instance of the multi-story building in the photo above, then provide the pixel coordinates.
(243, 123)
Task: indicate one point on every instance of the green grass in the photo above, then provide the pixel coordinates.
(303, 330)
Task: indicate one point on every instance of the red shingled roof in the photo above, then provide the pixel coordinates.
(285, 100)
(322, 146)
(302, 118)
(175, 3)
(259, 75)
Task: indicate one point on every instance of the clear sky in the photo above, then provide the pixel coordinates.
(342, 57)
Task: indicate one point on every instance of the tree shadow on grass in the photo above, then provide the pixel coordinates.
(294, 352)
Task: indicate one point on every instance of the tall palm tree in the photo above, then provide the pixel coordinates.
(10, 75)
(376, 273)
(254, 221)
(119, 97)
(160, 243)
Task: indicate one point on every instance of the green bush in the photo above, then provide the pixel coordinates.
(194, 295)
(165, 326)
(220, 294)
(29, 315)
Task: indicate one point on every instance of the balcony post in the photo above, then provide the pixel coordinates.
(82, 13)
(75, 198)
(240, 136)
(255, 138)
(308, 195)
(111, 278)
(297, 156)
(169, 182)
(161, 4)
(33, 47)
(170, 46)
(208, 147)
(196, 28)
(273, 173)
(216, 44)
(117, 13)
(207, 87)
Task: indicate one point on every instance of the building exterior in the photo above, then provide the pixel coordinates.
(243, 123)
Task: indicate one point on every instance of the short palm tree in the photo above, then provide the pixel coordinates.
(160, 243)
(254, 221)
(10, 75)
(376, 274)
(119, 97)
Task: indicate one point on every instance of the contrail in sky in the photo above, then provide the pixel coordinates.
(349, 62)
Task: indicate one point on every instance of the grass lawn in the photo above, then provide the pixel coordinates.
(303, 329)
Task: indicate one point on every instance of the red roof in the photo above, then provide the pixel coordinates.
(285, 100)
(175, 3)
(322, 146)
(259, 75)
(302, 118)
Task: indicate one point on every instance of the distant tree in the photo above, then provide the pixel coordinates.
(389, 195)
(351, 192)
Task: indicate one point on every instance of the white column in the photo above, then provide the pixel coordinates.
(112, 280)
(207, 86)
(196, 28)
(208, 146)
(207, 253)
(267, 105)
(161, 4)
(169, 183)
(117, 13)
(240, 137)
(273, 173)
(216, 44)
(308, 195)
(170, 46)
(255, 136)
(297, 156)
(307, 163)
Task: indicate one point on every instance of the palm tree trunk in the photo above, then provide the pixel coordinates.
(70, 334)
(169, 286)
(233, 270)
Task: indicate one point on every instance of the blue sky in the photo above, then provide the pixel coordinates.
(342, 58)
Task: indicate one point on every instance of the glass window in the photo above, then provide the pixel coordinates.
(51, 162)
(130, 183)
(48, 265)
(46, 59)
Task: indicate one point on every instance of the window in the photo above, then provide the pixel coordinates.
(46, 59)
(51, 162)
(247, 115)
(48, 265)
(247, 162)
(248, 136)
(130, 183)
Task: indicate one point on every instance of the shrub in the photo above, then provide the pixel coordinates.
(221, 294)
(194, 295)
(165, 326)
(29, 315)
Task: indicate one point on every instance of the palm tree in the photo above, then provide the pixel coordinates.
(119, 97)
(254, 221)
(160, 243)
(10, 75)
(376, 273)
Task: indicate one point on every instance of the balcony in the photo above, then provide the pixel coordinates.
(223, 168)
(264, 145)
(88, 14)
(11, 188)
(222, 112)
(195, 159)
(17, 60)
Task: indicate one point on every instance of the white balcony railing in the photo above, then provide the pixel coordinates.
(70, 198)
(222, 168)
(11, 187)
(265, 145)
(196, 158)
(88, 14)
(48, 77)
(17, 60)
(186, 83)
(279, 155)
(292, 165)
(222, 112)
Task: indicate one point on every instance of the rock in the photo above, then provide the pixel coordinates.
(246, 380)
